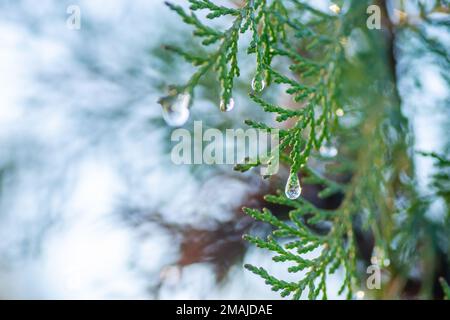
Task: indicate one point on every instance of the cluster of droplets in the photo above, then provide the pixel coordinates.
(293, 189)
(175, 108)
(225, 107)
(379, 257)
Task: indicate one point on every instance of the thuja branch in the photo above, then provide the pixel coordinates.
(315, 54)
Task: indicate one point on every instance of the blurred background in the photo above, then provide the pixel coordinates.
(91, 206)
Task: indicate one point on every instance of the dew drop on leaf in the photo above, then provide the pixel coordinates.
(226, 107)
(175, 109)
(293, 189)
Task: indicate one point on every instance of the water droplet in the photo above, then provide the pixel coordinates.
(227, 107)
(175, 109)
(360, 295)
(258, 84)
(339, 112)
(293, 189)
(328, 150)
(335, 8)
(374, 260)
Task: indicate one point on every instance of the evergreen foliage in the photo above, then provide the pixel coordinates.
(338, 101)
(446, 288)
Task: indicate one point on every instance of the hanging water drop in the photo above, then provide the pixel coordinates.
(175, 109)
(340, 112)
(374, 260)
(293, 189)
(258, 84)
(225, 107)
(328, 150)
(335, 8)
(360, 295)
